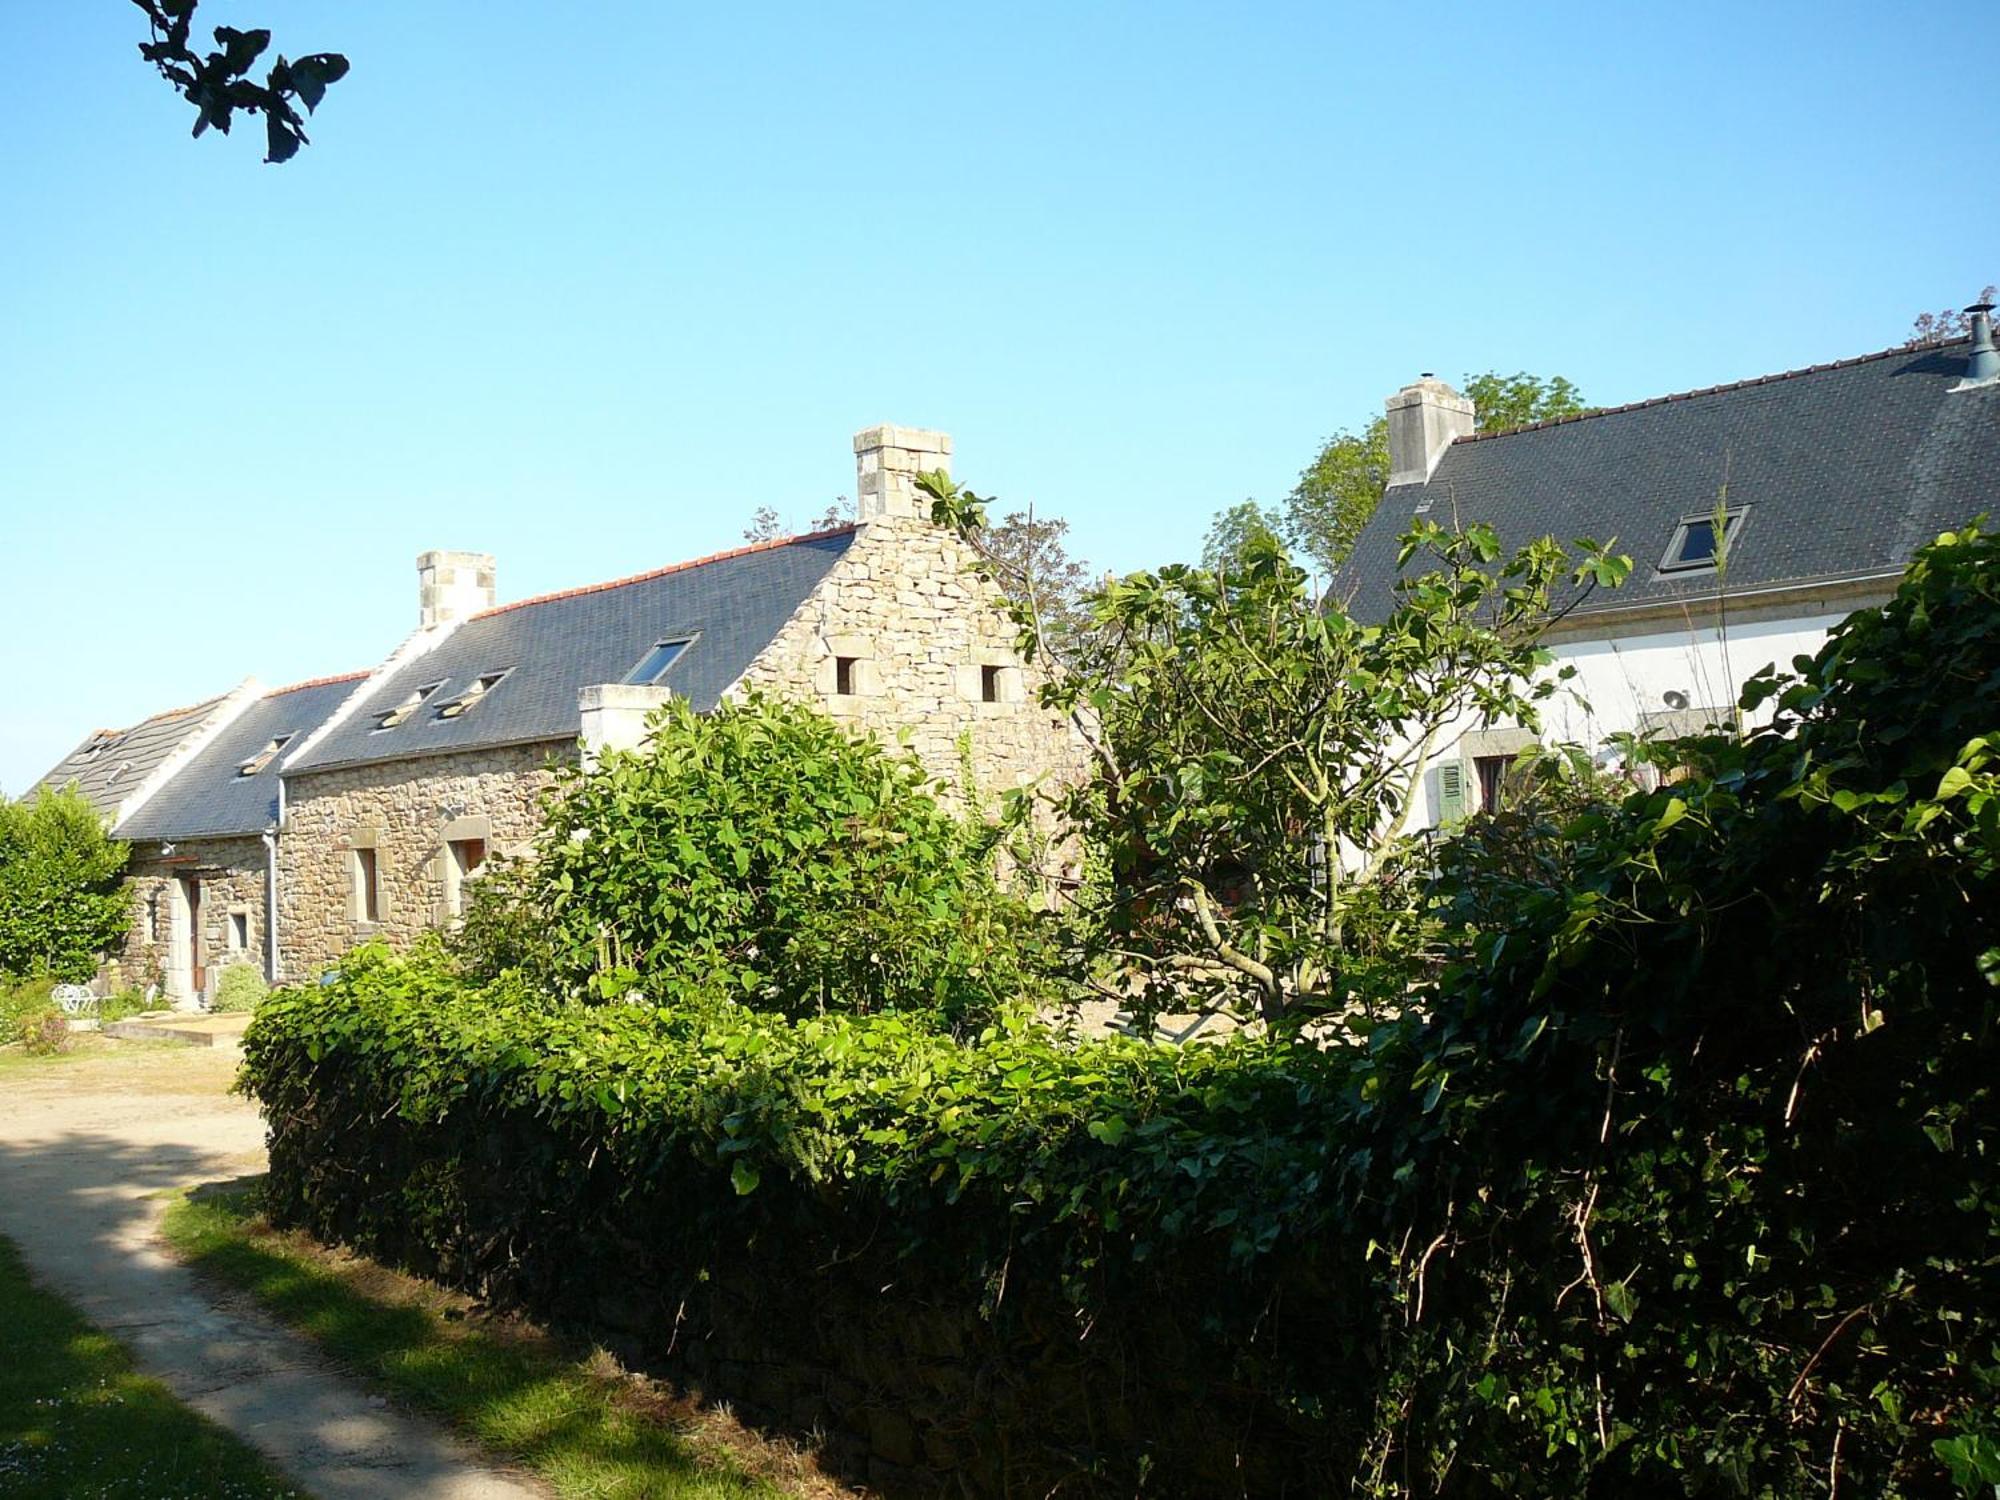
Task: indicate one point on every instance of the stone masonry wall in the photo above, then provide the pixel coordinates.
(903, 605)
(233, 883)
(407, 809)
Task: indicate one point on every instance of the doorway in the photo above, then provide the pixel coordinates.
(197, 956)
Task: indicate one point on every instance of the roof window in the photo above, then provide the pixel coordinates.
(486, 683)
(392, 717)
(1696, 546)
(257, 762)
(656, 663)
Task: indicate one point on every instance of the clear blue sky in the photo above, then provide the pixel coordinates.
(583, 285)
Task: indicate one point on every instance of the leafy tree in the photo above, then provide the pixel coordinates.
(1340, 488)
(1257, 755)
(1030, 558)
(1952, 323)
(1236, 532)
(219, 85)
(760, 854)
(62, 898)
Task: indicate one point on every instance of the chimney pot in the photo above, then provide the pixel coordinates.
(887, 460)
(1982, 361)
(452, 585)
(1424, 420)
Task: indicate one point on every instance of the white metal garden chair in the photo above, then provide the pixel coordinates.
(74, 999)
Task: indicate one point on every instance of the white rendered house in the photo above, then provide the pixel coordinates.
(1825, 480)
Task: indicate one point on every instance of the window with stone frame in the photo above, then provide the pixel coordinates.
(463, 858)
(367, 885)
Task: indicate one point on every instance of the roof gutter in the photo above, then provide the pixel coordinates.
(1835, 593)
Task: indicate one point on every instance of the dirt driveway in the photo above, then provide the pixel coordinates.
(90, 1148)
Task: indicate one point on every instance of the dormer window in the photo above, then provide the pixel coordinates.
(402, 711)
(485, 683)
(657, 662)
(1695, 546)
(264, 757)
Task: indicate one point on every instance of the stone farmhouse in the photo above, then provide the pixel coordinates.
(1827, 480)
(280, 828)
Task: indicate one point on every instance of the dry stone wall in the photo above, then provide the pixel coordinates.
(405, 810)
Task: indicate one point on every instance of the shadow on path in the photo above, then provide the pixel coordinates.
(82, 1204)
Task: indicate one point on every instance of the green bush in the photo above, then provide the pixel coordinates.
(1677, 1178)
(762, 854)
(62, 900)
(239, 988)
(124, 1003)
(18, 1001)
(44, 1033)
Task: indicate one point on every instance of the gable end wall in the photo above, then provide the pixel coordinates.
(904, 601)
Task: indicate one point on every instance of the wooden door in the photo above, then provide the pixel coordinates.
(197, 959)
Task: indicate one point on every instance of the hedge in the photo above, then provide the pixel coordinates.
(1680, 1179)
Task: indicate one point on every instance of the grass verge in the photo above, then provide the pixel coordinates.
(580, 1424)
(75, 1419)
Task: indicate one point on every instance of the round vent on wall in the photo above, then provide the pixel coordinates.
(1677, 701)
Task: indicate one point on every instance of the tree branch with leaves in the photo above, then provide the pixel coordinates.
(218, 85)
(1257, 757)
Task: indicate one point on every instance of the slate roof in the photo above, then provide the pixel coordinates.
(1845, 469)
(111, 764)
(733, 604)
(208, 796)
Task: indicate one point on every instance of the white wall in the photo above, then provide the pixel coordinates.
(1619, 680)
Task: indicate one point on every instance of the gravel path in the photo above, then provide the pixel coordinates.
(89, 1148)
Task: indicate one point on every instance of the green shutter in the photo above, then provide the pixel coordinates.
(1451, 792)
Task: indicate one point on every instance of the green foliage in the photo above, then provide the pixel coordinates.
(1339, 490)
(77, 1420)
(20, 1000)
(1675, 1177)
(45, 1032)
(62, 903)
(1336, 494)
(1239, 532)
(762, 855)
(1501, 402)
(219, 84)
(1691, 1163)
(1259, 753)
(566, 1419)
(126, 1002)
(239, 988)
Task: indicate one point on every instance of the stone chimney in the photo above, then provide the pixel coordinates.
(452, 585)
(1424, 418)
(612, 716)
(887, 460)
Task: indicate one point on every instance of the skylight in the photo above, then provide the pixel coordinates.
(486, 683)
(392, 717)
(656, 663)
(1694, 547)
(257, 762)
